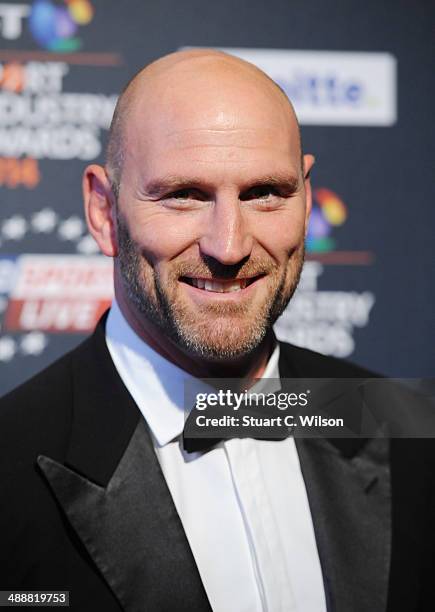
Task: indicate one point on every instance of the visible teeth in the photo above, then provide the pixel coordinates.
(217, 286)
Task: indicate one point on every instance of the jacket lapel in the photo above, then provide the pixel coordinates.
(350, 503)
(348, 485)
(112, 491)
(131, 530)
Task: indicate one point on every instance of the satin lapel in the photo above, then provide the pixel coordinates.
(350, 503)
(348, 484)
(131, 530)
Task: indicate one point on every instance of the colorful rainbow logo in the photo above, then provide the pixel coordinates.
(54, 27)
(328, 211)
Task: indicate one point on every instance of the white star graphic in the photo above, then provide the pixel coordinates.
(7, 348)
(44, 221)
(87, 245)
(33, 343)
(14, 228)
(71, 228)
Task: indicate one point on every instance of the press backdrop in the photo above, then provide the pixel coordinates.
(361, 77)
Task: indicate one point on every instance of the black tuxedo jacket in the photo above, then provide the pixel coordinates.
(84, 506)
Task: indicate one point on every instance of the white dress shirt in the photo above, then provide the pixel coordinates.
(243, 504)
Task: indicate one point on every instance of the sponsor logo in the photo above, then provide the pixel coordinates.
(45, 294)
(55, 293)
(332, 87)
(328, 211)
(53, 25)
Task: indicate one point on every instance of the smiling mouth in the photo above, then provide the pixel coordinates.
(220, 286)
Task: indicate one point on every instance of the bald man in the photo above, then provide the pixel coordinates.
(203, 205)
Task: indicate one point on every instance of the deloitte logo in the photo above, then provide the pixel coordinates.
(328, 212)
(54, 27)
(332, 87)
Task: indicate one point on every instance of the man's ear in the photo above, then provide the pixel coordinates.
(99, 203)
(308, 165)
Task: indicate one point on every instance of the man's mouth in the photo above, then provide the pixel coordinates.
(219, 286)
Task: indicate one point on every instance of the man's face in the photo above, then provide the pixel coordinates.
(211, 221)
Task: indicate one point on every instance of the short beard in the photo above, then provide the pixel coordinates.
(198, 336)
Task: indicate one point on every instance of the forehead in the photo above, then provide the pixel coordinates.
(210, 120)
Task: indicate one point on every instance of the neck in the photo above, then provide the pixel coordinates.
(247, 368)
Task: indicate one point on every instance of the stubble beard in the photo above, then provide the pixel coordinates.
(218, 332)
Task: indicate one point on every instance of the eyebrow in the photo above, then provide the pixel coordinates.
(288, 183)
(165, 184)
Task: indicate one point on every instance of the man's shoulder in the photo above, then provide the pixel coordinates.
(310, 364)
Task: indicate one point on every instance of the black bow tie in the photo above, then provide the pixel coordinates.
(192, 442)
(195, 445)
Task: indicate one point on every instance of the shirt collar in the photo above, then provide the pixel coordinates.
(156, 385)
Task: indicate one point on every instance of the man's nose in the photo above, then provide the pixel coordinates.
(227, 238)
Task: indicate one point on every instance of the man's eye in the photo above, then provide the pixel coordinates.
(261, 192)
(186, 194)
(181, 194)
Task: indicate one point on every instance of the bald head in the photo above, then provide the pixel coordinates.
(198, 82)
(211, 210)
